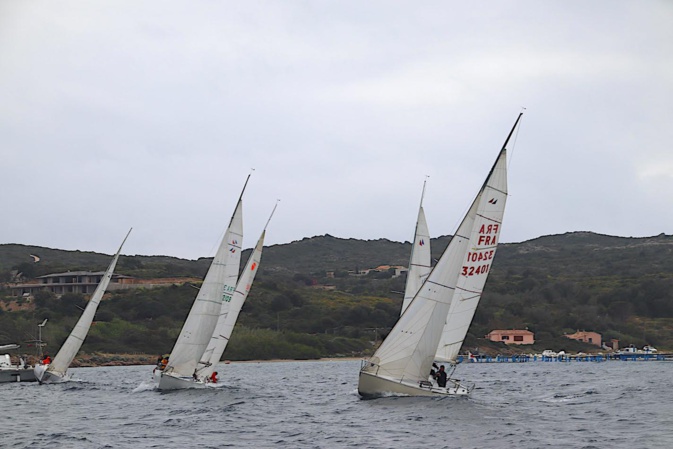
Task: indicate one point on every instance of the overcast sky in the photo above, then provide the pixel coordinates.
(151, 114)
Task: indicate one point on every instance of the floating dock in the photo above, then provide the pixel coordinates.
(523, 358)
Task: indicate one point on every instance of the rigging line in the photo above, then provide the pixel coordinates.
(516, 135)
(272, 212)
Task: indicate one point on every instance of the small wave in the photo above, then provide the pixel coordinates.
(145, 386)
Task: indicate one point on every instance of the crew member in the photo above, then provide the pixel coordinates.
(441, 377)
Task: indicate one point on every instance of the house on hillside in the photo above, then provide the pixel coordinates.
(85, 283)
(397, 270)
(592, 338)
(512, 336)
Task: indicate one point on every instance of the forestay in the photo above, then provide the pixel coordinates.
(64, 357)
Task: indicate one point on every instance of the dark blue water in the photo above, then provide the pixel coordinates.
(315, 405)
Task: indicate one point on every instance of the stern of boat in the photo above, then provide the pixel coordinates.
(170, 382)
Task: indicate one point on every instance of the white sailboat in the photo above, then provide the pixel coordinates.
(57, 370)
(402, 363)
(227, 321)
(420, 262)
(214, 298)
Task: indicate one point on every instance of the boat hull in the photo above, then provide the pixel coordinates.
(170, 382)
(372, 386)
(17, 375)
(45, 377)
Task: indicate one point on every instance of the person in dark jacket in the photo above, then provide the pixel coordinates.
(441, 377)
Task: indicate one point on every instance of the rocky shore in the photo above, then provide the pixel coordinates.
(102, 359)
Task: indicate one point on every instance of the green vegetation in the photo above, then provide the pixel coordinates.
(619, 287)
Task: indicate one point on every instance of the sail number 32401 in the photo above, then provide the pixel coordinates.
(472, 271)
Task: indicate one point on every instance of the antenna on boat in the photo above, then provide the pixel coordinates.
(39, 338)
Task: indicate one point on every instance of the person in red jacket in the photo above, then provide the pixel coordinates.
(213, 377)
(46, 360)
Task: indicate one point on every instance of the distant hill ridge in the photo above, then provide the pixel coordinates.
(594, 254)
(620, 287)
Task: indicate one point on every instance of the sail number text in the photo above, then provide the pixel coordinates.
(488, 235)
(228, 291)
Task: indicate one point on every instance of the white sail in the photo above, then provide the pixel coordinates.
(225, 326)
(477, 261)
(420, 262)
(407, 354)
(64, 357)
(213, 299)
(408, 351)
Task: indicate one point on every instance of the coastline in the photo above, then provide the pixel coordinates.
(104, 359)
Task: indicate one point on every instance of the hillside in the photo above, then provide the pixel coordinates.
(620, 287)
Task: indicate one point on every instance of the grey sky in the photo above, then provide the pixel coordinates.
(151, 113)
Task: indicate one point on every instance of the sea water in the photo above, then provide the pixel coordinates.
(315, 405)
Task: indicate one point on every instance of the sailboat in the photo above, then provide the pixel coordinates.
(57, 370)
(401, 365)
(20, 372)
(214, 298)
(227, 321)
(420, 260)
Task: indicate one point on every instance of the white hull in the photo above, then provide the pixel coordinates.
(45, 377)
(170, 382)
(17, 375)
(372, 386)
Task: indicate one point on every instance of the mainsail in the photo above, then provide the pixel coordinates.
(477, 261)
(420, 262)
(64, 357)
(407, 354)
(227, 320)
(213, 299)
